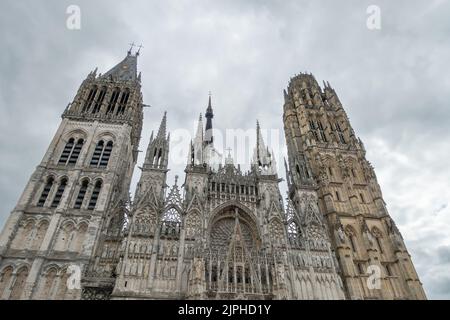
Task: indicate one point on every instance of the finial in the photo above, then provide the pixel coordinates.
(176, 179)
(139, 50)
(131, 48)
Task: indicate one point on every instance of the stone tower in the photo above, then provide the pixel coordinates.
(76, 197)
(326, 157)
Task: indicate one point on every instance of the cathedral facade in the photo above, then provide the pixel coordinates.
(222, 233)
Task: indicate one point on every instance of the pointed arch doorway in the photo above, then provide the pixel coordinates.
(236, 268)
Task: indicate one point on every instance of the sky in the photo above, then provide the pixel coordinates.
(393, 83)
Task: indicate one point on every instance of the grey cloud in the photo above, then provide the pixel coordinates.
(444, 254)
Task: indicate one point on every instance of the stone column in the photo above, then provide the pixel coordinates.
(32, 279)
(180, 258)
(90, 239)
(155, 250)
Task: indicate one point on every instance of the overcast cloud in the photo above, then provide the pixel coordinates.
(394, 84)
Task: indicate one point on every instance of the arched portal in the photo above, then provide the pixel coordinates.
(236, 266)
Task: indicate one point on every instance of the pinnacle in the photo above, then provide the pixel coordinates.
(162, 127)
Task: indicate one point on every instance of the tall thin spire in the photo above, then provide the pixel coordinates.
(198, 143)
(162, 127)
(261, 151)
(209, 109)
(209, 115)
(199, 135)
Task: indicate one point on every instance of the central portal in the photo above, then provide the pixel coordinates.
(235, 266)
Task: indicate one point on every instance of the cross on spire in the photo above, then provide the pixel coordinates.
(139, 50)
(131, 48)
(132, 45)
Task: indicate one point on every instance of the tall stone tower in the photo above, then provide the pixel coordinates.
(76, 196)
(326, 157)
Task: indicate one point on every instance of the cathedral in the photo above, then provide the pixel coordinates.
(221, 232)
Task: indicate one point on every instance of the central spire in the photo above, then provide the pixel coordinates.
(208, 129)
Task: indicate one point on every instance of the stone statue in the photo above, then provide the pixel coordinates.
(198, 268)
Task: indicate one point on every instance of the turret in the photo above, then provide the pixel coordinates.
(158, 148)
